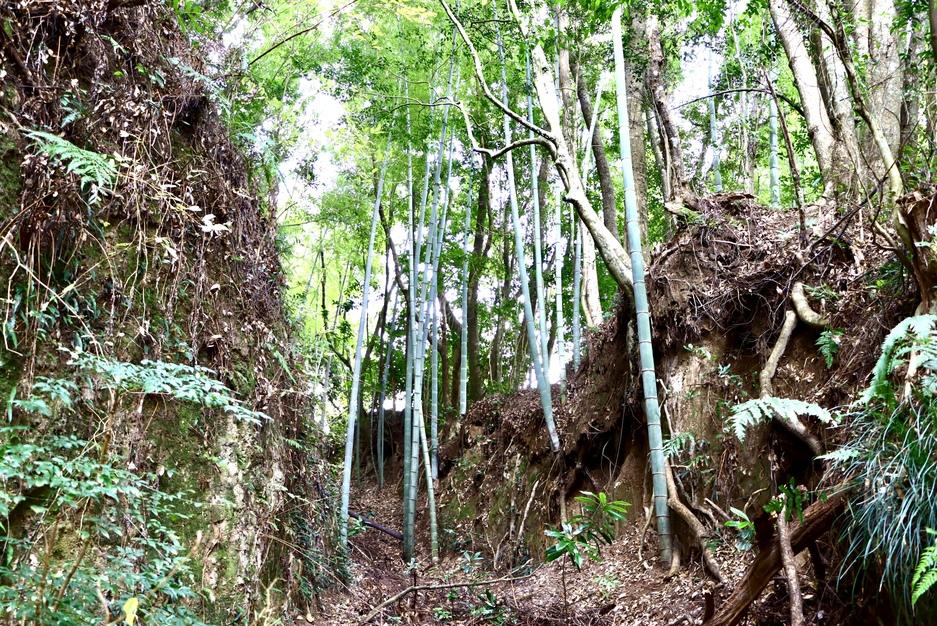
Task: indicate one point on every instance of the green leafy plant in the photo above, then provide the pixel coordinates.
(745, 529)
(888, 461)
(442, 613)
(608, 584)
(181, 382)
(925, 574)
(96, 172)
(144, 574)
(491, 609)
(581, 537)
(828, 345)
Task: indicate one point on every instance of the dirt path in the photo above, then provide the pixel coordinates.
(620, 589)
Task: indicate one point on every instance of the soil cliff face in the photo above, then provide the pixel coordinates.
(719, 292)
(131, 230)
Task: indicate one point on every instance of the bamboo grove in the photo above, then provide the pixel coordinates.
(513, 204)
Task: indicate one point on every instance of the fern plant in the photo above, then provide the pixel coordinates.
(176, 380)
(888, 460)
(751, 413)
(828, 345)
(925, 574)
(96, 172)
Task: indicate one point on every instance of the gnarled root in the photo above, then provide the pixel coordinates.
(804, 311)
(696, 527)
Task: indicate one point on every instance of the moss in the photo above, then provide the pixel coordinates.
(10, 179)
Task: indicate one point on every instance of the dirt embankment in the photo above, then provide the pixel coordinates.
(141, 233)
(719, 291)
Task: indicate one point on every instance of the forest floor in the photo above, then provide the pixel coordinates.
(619, 589)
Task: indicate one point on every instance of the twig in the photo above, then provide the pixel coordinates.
(414, 588)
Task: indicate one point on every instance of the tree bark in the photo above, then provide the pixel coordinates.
(678, 184)
(609, 215)
(819, 126)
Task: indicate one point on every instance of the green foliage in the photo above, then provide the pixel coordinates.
(182, 382)
(96, 172)
(120, 545)
(491, 609)
(608, 584)
(888, 458)
(583, 534)
(745, 528)
(677, 443)
(912, 333)
(753, 412)
(925, 574)
(828, 345)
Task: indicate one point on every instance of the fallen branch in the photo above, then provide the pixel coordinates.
(790, 570)
(414, 588)
(818, 518)
(384, 529)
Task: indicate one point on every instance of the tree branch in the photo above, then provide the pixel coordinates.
(480, 75)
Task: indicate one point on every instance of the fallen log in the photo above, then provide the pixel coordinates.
(384, 529)
(818, 518)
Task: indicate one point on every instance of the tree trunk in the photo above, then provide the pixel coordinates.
(819, 126)
(481, 244)
(678, 184)
(609, 215)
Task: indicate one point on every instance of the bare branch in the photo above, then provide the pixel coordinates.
(495, 154)
(480, 75)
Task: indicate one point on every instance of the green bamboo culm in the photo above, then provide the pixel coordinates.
(577, 291)
(642, 309)
(535, 202)
(463, 354)
(558, 279)
(543, 385)
(385, 373)
(411, 339)
(356, 373)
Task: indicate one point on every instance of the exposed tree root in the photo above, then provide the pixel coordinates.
(818, 517)
(795, 426)
(696, 527)
(804, 311)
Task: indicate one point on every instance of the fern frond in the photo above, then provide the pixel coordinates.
(94, 170)
(753, 412)
(925, 574)
(919, 329)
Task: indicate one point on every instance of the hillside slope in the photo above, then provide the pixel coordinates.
(134, 250)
